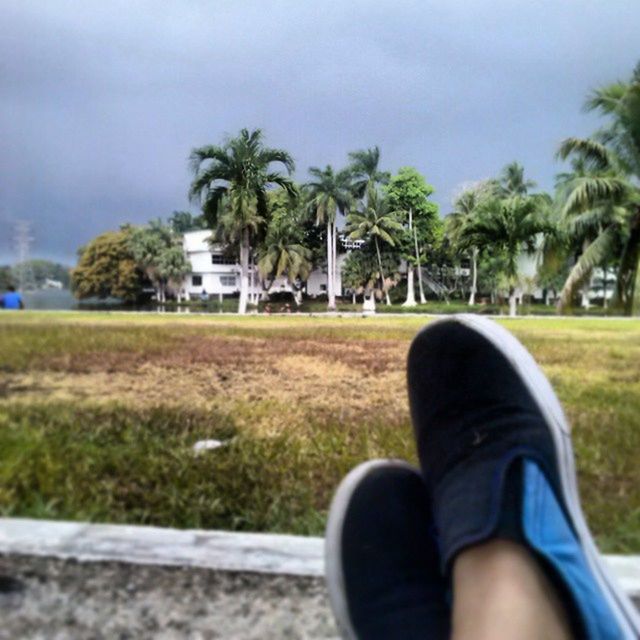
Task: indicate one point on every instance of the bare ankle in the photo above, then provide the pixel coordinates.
(501, 591)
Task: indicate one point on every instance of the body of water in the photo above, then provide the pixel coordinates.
(50, 299)
(63, 299)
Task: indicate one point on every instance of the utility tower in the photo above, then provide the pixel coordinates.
(23, 239)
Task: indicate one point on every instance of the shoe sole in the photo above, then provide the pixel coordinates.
(333, 539)
(542, 392)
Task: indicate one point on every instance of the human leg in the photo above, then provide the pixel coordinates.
(501, 592)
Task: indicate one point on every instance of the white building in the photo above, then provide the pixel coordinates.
(317, 282)
(212, 273)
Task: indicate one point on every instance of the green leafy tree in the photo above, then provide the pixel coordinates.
(605, 197)
(373, 221)
(408, 196)
(511, 226)
(237, 175)
(492, 266)
(357, 274)
(158, 252)
(365, 171)
(571, 235)
(183, 221)
(43, 270)
(512, 181)
(459, 226)
(6, 278)
(283, 252)
(107, 268)
(361, 272)
(328, 194)
(173, 267)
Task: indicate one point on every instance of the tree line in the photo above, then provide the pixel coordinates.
(34, 273)
(248, 198)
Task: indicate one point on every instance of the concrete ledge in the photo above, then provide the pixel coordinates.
(221, 550)
(252, 552)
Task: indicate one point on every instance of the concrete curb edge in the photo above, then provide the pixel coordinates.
(218, 550)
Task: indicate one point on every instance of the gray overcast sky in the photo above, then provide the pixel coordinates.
(101, 102)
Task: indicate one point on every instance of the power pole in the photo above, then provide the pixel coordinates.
(23, 240)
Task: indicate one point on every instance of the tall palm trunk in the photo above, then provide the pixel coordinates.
(331, 305)
(513, 309)
(474, 276)
(161, 293)
(584, 294)
(296, 293)
(628, 282)
(244, 271)
(334, 262)
(634, 308)
(411, 294)
(253, 296)
(423, 300)
(251, 278)
(386, 293)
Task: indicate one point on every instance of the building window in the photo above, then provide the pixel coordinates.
(228, 281)
(219, 258)
(323, 287)
(196, 281)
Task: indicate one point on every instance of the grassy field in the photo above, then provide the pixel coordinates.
(99, 413)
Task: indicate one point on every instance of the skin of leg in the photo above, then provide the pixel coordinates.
(501, 592)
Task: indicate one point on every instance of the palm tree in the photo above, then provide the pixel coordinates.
(365, 172)
(510, 225)
(158, 252)
(577, 229)
(239, 173)
(355, 274)
(283, 253)
(173, 267)
(329, 195)
(606, 198)
(512, 182)
(375, 221)
(459, 226)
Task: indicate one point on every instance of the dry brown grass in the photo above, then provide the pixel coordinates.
(293, 377)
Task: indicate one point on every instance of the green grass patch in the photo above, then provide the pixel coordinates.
(109, 463)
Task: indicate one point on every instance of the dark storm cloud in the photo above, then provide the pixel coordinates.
(100, 103)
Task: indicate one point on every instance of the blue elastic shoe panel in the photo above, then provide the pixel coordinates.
(548, 532)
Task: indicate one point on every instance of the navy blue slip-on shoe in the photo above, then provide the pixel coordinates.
(382, 562)
(495, 451)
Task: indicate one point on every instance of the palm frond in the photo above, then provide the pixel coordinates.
(592, 152)
(606, 99)
(591, 257)
(268, 155)
(207, 153)
(588, 222)
(590, 191)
